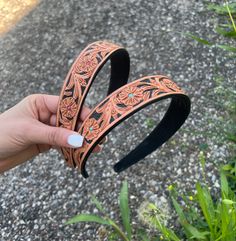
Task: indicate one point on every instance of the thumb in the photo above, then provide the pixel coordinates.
(54, 136)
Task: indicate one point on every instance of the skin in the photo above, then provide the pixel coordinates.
(28, 128)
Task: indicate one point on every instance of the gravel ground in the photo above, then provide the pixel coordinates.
(39, 196)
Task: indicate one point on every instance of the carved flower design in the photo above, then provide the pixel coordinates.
(91, 129)
(114, 112)
(68, 107)
(158, 87)
(169, 84)
(87, 64)
(80, 79)
(155, 81)
(110, 108)
(130, 96)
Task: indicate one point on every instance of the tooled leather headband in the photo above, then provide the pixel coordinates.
(81, 76)
(121, 104)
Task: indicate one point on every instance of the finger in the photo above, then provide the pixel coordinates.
(84, 113)
(51, 102)
(40, 133)
(53, 120)
(97, 149)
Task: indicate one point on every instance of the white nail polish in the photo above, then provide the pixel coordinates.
(75, 140)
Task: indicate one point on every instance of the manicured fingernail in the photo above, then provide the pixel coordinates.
(75, 140)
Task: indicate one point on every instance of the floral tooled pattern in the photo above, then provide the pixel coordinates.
(79, 78)
(87, 64)
(91, 129)
(169, 84)
(120, 104)
(130, 96)
(68, 107)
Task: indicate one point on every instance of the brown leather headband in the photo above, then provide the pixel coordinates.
(121, 104)
(81, 76)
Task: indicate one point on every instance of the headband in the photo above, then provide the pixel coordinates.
(81, 76)
(123, 100)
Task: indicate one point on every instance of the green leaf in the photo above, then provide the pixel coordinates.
(227, 167)
(224, 185)
(88, 218)
(124, 208)
(227, 33)
(232, 176)
(142, 235)
(230, 15)
(113, 236)
(98, 204)
(221, 9)
(191, 231)
(226, 47)
(200, 40)
(196, 234)
(179, 210)
(202, 159)
(231, 137)
(227, 201)
(206, 204)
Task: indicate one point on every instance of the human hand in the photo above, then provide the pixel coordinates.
(28, 129)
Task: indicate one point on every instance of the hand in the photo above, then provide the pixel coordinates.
(28, 129)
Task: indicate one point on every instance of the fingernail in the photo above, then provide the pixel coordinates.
(75, 140)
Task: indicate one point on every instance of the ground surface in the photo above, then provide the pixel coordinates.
(39, 196)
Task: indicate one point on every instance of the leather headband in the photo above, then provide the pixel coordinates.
(80, 77)
(118, 106)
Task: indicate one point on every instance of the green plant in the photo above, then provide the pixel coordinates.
(200, 217)
(105, 220)
(221, 9)
(230, 168)
(227, 29)
(227, 13)
(115, 232)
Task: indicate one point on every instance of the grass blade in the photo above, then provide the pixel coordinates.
(88, 218)
(124, 208)
(200, 40)
(230, 15)
(227, 33)
(228, 201)
(207, 205)
(224, 186)
(142, 235)
(221, 9)
(192, 232)
(226, 47)
(231, 137)
(98, 204)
